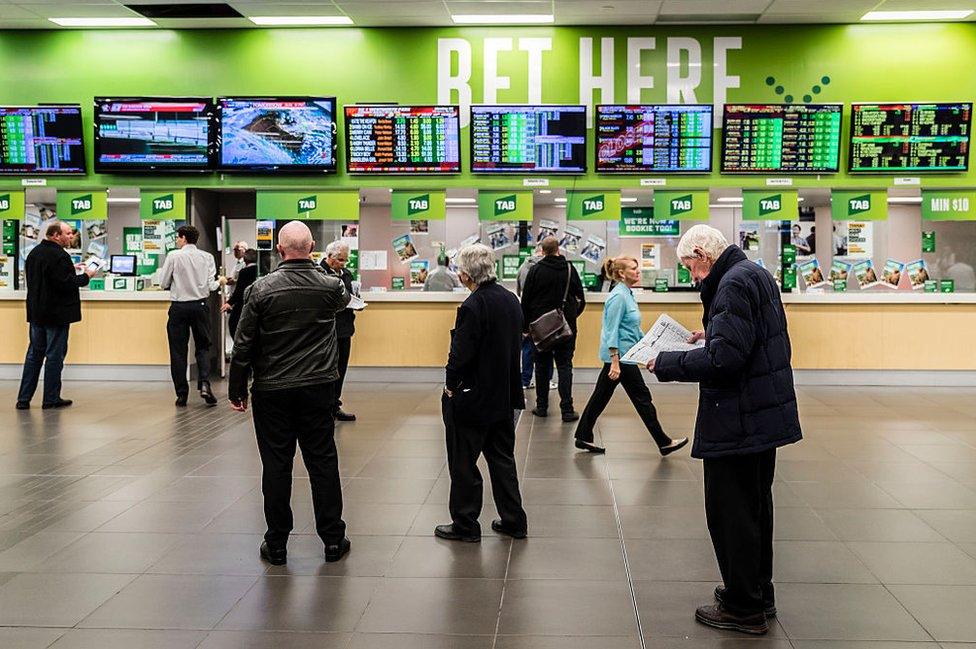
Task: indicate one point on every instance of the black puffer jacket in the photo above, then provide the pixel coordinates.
(286, 336)
(746, 401)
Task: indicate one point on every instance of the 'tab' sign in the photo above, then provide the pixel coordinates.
(81, 204)
(162, 204)
(593, 205)
(859, 204)
(418, 204)
(505, 204)
(681, 205)
(770, 204)
(307, 204)
(4, 202)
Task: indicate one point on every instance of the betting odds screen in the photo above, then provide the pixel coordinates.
(781, 138)
(525, 139)
(41, 139)
(403, 139)
(653, 138)
(910, 137)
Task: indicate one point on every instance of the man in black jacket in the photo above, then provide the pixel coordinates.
(334, 263)
(53, 303)
(286, 340)
(545, 286)
(746, 410)
(246, 276)
(481, 393)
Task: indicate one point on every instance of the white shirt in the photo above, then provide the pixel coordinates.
(189, 274)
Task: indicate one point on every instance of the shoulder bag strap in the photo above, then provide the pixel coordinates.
(569, 279)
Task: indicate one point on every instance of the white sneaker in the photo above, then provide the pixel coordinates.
(530, 385)
(553, 385)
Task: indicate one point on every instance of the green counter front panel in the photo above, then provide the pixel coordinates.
(465, 65)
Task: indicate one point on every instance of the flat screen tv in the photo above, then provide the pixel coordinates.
(41, 140)
(905, 136)
(154, 134)
(528, 139)
(277, 134)
(781, 138)
(391, 139)
(654, 138)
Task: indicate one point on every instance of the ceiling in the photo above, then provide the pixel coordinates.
(33, 14)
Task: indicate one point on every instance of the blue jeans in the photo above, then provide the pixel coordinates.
(528, 356)
(50, 344)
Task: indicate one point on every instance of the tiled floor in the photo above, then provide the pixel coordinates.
(127, 524)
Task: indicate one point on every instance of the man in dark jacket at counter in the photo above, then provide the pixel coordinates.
(334, 263)
(247, 275)
(544, 288)
(481, 393)
(53, 303)
(286, 339)
(746, 410)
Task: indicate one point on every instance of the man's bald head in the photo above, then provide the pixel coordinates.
(295, 241)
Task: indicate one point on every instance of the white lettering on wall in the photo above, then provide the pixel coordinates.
(681, 89)
(535, 47)
(494, 82)
(588, 81)
(721, 80)
(635, 81)
(461, 82)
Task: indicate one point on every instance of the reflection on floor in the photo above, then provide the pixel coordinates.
(127, 524)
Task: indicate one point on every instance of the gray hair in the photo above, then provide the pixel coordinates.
(336, 247)
(702, 237)
(477, 261)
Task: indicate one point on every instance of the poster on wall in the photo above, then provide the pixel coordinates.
(349, 235)
(650, 256)
(572, 236)
(749, 235)
(548, 229)
(891, 274)
(154, 237)
(264, 235)
(418, 271)
(839, 271)
(594, 249)
(803, 235)
(419, 226)
(812, 274)
(918, 273)
(865, 273)
(404, 248)
(858, 242)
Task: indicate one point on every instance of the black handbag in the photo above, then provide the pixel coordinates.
(551, 328)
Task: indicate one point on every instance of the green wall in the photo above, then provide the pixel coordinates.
(928, 62)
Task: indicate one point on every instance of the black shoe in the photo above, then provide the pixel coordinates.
(769, 610)
(207, 394)
(23, 405)
(447, 532)
(341, 415)
(589, 446)
(540, 412)
(275, 556)
(673, 446)
(181, 402)
(717, 616)
(60, 403)
(335, 551)
(572, 415)
(501, 528)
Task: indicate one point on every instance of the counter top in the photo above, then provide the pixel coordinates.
(102, 296)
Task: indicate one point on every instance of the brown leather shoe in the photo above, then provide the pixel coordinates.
(717, 616)
(769, 609)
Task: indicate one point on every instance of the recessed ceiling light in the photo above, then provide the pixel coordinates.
(906, 200)
(545, 191)
(300, 21)
(457, 201)
(729, 199)
(503, 19)
(103, 22)
(559, 200)
(122, 200)
(918, 15)
(628, 199)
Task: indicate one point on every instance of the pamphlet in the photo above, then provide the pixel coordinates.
(419, 226)
(372, 259)
(650, 256)
(95, 264)
(749, 235)
(498, 236)
(891, 275)
(418, 271)
(571, 238)
(918, 273)
(594, 249)
(473, 239)
(859, 243)
(404, 248)
(666, 335)
(865, 273)
(811, 272)
(839, 271)
(548, 229)
(356, 303)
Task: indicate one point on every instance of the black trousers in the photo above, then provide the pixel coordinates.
(343, 346)
(185, 318)
(465, 442)
(562, 355)
(282, 418)
(640, 396)
(739, 510)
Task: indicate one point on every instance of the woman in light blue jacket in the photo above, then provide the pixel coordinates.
(621, 331)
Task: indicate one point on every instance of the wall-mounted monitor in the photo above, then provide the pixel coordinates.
(781, 138)
(654, 138)
(154, 134)
(528, 139)
(897, 137)
(277, 133)
(391, 139)
(41, 140)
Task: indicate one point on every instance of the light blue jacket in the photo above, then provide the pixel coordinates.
(621, 322)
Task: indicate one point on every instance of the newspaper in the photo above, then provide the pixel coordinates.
(356, 303)
(667, 335)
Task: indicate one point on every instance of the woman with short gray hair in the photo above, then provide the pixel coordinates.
(481, 392)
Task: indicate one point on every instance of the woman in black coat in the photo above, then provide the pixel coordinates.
(746, 410)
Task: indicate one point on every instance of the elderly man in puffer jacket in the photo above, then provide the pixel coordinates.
(746, 410)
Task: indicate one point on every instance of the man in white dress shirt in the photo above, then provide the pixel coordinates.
(190, 275)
